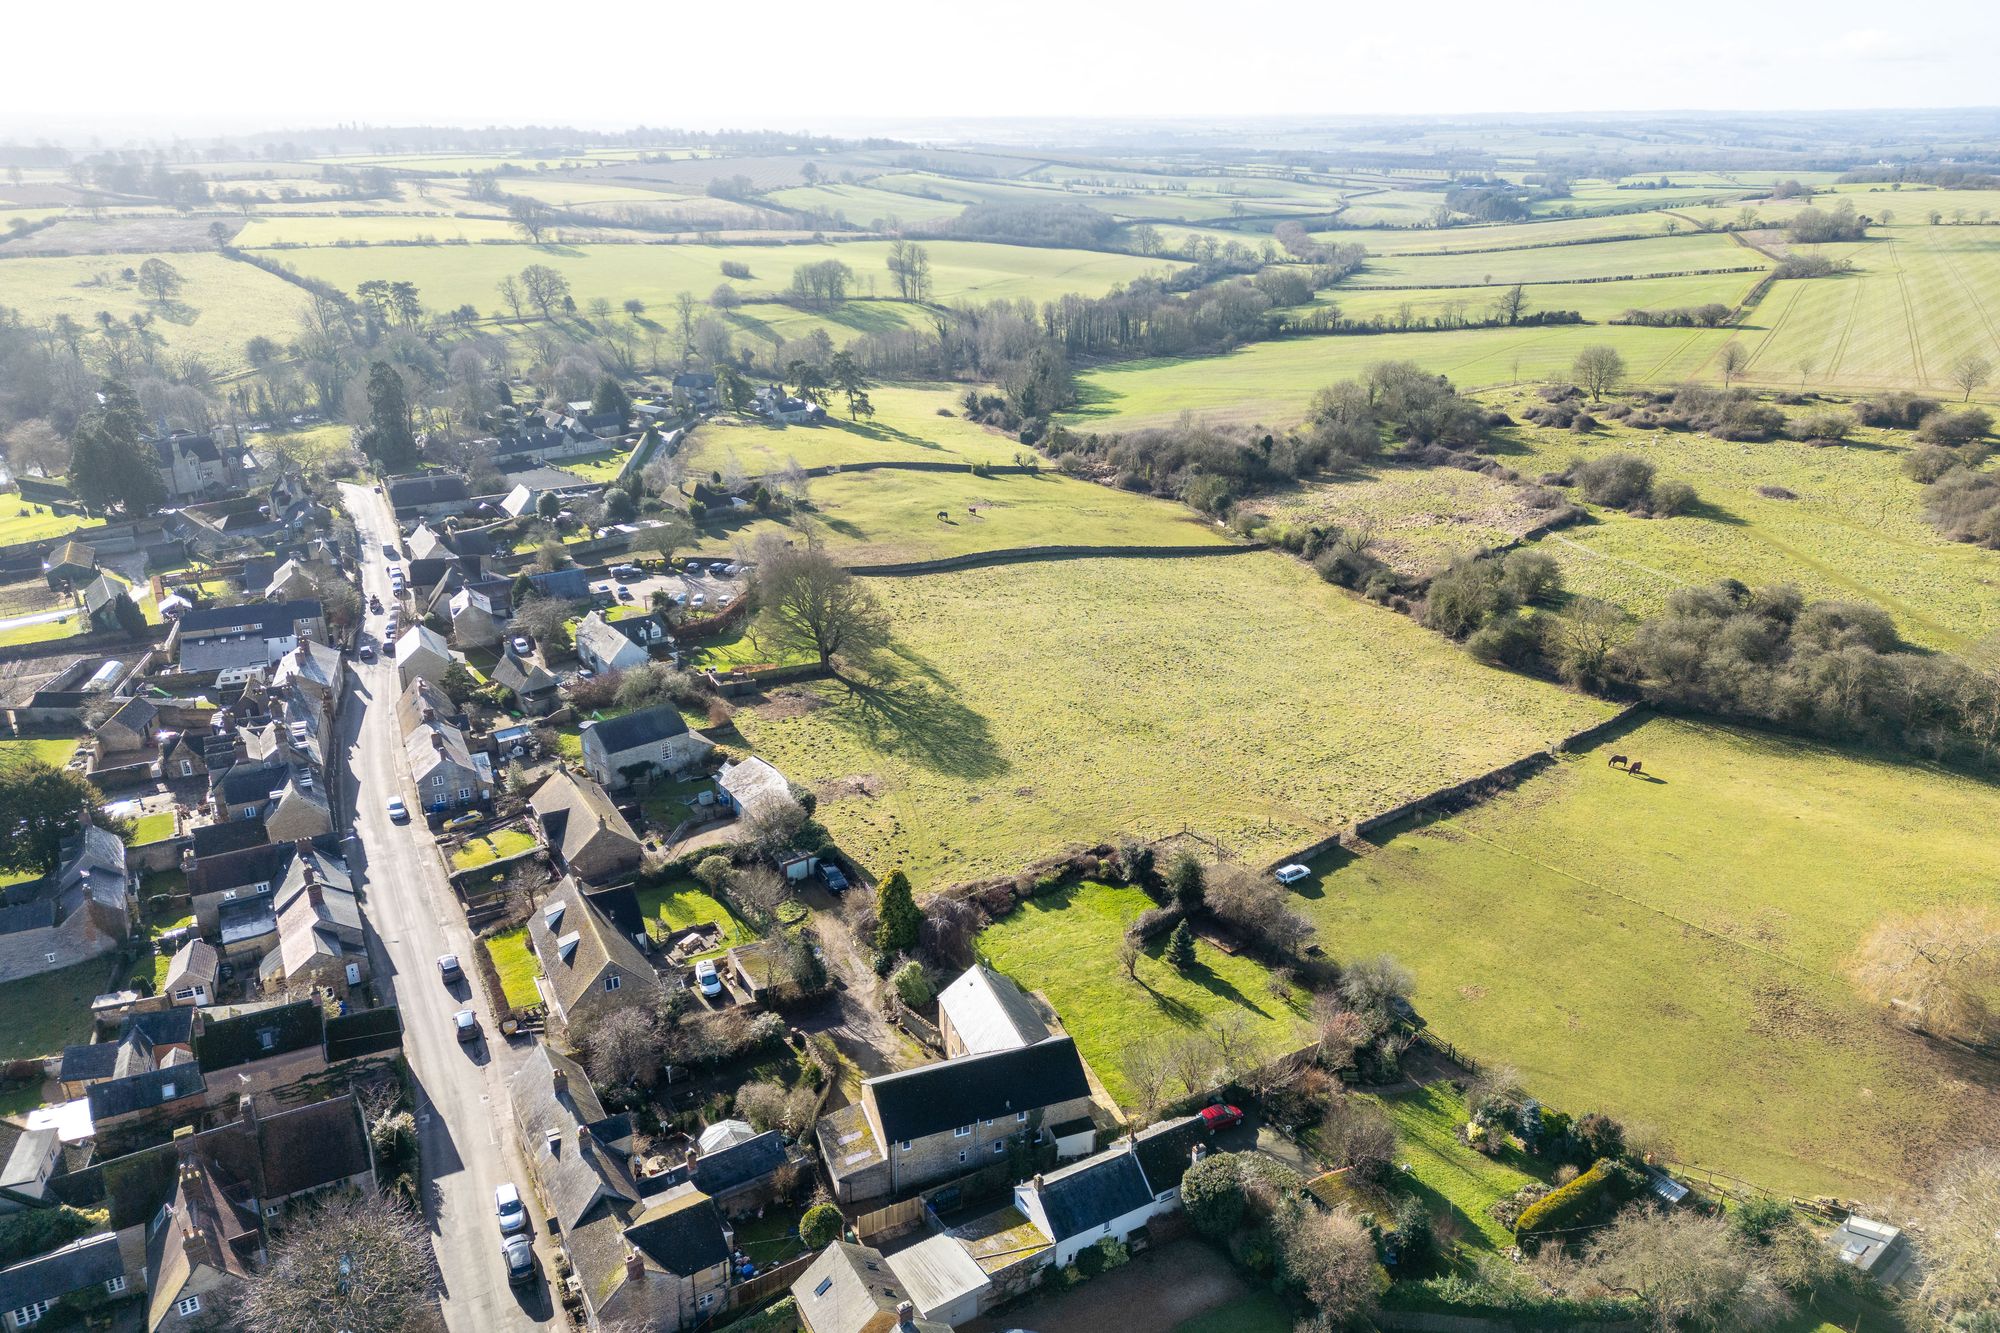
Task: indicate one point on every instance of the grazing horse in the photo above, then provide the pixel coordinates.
(1635, 768)
(943, 517)
(1617, 761)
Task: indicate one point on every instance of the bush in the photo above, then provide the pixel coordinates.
(1669, 498)
(1900, 411)
(1212, 1196)
(1928, 462)
(39, 1230)
(821, 1226)
(1180, 947)
(1586, 1197)
(1510, 640)
(1956, 426)
(913, 985)
(1616, 480)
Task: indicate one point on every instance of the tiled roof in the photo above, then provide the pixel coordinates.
(932, 1098)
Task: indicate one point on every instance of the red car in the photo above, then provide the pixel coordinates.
(1221, 1117)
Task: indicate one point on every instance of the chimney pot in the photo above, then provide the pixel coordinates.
(906, 1313)
(558, 1080)
(635, 1267)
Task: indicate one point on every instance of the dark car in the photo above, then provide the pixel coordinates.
(518, 1253)
(367, 652)
(836, 882)
(1220, 1117)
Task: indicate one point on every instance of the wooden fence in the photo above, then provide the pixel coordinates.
(893, 1220)
(771, 1282)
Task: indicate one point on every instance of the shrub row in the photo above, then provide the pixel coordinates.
(1606, 1183)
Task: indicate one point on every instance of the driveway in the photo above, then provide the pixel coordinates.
(413, 917)
(1154, 1292)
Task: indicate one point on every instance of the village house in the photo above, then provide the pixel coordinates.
(919, 1126)
(743, 1177)
(29, 1290)
(774, 403)
(83, 911)
(643, 744)
(131, 731)
(144, 1040)
(101, 599)
(589, 964)
(602, 647)
(584, 833)
(320, 941)
(421, 653)
(190, 465)
(291, 581)
(477, 619)
(255, 634)
(1114, 1193)
(448, 775)
(644, 1250)
(191, 974)
(852, 1289)
(261, 1047)
(535, 691)
(162, 1095)
(429, 495)
(983, 1011)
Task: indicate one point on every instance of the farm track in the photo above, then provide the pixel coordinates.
(1909, 311)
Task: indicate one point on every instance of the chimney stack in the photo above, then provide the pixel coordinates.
(1038, 1182)
(437, 741)
(693, 1156)
(906, 1315)
(584, 1141)
(635, 1267)
(249, 1109)
(558, 1080)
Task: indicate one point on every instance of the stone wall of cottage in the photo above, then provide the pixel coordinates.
(942, 1156)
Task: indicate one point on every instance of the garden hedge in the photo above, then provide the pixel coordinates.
(1574, 1203)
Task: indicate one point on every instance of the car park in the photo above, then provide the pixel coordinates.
(449, 969)
(1292, 874)
(397, 810)
(1220, 1117)
(518, 1254)
(706, 977)
(507, 1207)
(467, 1024)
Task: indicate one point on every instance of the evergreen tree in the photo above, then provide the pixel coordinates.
(108, 463)
(46, 806)
(1186, 883)
(896, 915)
(1180, 948)
(611, 397)
(130, 618)
(389, 441)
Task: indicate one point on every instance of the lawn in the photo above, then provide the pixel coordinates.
(54, 750)
(32, 522)
(517, 966)
(1445, 1173)
(684, 903)
(1853, 529)
(50, 1011)
(42, 631)
(485, 848)
(1037, 705)
(155, 827)
(600, 466)
(1064, 944)
(1672, 951)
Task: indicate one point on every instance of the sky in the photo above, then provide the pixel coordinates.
(123, 68)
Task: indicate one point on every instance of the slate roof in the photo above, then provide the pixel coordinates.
(260, 863)
(681, 1232)
(989, 1012)
(576, 814)
(71, 553)
(1164, 1150)
(94, 1060)
(229, 835)
(512, 673)
(602, 639)
(429, 489)
(251, 783)
(309, 1146)
(236, 1039)
(278, 620)
(135, 714)
(851, 1289)
(198, 447)
(741, 1164)
(193, 964)
(144, 1091)
(582, 944)
(574, 1178)
(933, 1098)
(648, 726)
(89, 1262)
(100, 591)
(1096, 1190)
(163, 1027)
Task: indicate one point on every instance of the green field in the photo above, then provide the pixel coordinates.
(222, 305)
(1042, 704)
(1065, 945)
(1598, 302)
(517, 966)
(1610, 259)
(54, 750)
(448, 276)
(430, 228)
(1670, 950)
(50, 1011)
(1508, 235)
(1422, 518)
(906, 427)
(21, 522)
(1854, 531)
(1273, 381)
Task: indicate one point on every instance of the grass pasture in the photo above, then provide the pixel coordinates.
(1065, 945)
(1598, 302)
(1043, 704)
(1671, 950)
(23, 522)
(1422, 517)
(906, 427)
(1609, 259)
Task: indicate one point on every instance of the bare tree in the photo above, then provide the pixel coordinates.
(1731, 360)
(512, 293)
(1329, 1255)
(1689, 1272)
(622, 1049)
(759, 891)
(1806, 365)
(807, 602)
(1191, 1060)
(1970, 371)
(1598, 368)
(1959, 1222)
(1147, 1068)
(358, 1263)
(1936, 970)
(1128, 957)
(1357, 1134)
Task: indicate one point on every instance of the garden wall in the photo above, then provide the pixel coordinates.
(1025, 554)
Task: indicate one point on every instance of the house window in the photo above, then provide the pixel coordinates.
(187, 1305)
(962, 1131)
(185, 993)
(961, 1156)
(613, 982)
(465, 793)
(1000, 1148)
(825, 1285)
(32, 1312)
(437, 779)
(261, 886)
(49, 957)
(707, 1299)
(114, 1285)
(1021, 1118)
(187, 768)
(904, 1146)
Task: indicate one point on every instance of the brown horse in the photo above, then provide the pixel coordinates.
(1635, 768)
(1617, 761)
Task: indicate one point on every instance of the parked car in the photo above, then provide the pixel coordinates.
(1292, 874)
(699, 599)
(1220, 1117)
(449, 969)
(835, 881)
(522, 646)
(470, 819)
(706, 977)
(398, 811)
(507, 1207)
(518, 1253)
(367, 652)
(627, 572)
(467, 1024)
(389, 549)
(624, 593)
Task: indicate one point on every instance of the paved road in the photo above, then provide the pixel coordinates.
(413, 916)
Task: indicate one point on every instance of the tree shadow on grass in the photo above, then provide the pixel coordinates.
(915, 716)
(1222, 988)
